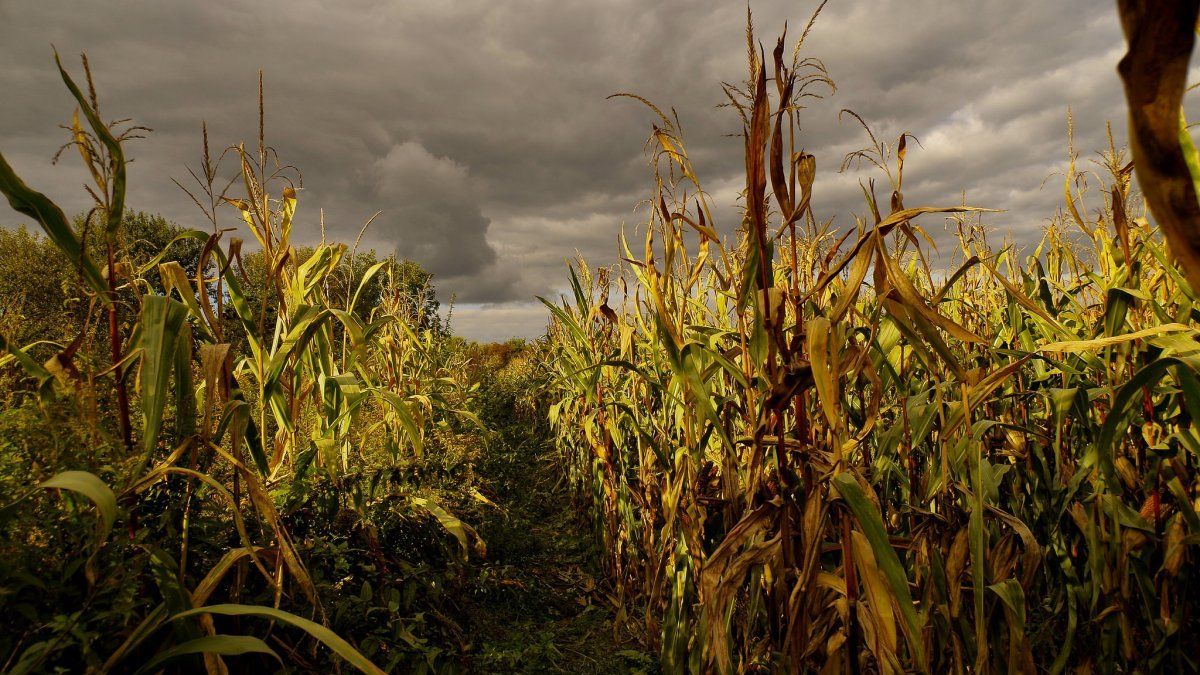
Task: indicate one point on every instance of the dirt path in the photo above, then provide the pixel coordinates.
(535, 606)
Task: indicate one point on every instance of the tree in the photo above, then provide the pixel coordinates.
(43, 297)
(40, 289)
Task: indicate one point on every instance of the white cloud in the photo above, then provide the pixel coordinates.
(498, 322)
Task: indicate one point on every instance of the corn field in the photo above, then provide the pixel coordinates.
(802, 442)
(808, 452)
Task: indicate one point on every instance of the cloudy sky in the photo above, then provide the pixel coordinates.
(482, 131)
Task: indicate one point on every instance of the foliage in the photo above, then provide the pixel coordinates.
(806, 452)
(781, 451)
(195, 434)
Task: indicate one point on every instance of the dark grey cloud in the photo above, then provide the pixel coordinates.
(481, 128)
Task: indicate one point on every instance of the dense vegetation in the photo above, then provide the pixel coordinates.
(809, 446)
(216, 457)
(811, 450)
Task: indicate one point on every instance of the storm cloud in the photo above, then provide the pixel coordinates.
(482, 131)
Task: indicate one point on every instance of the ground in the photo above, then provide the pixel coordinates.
(538, 604)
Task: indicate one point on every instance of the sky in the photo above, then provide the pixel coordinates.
(483, 132)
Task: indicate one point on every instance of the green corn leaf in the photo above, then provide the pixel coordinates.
(1190, 154)
(461, 531)
(159, 332)
(196, 235)
(237, 420)
(316, 630)
(305, 322)
(1118, 418)
(36, 205)
(366, 279)
(88, 485)
(10, 353)
(1013, 596)
(185, 391)
(407, 420)
(165, 571)
(223, 645)
(885, 556)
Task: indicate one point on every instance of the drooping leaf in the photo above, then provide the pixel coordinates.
(88, 485)
(223, 645)
(316, 630)
(36, 205)
(462, 532)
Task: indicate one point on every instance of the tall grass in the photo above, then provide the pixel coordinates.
(812, 452)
